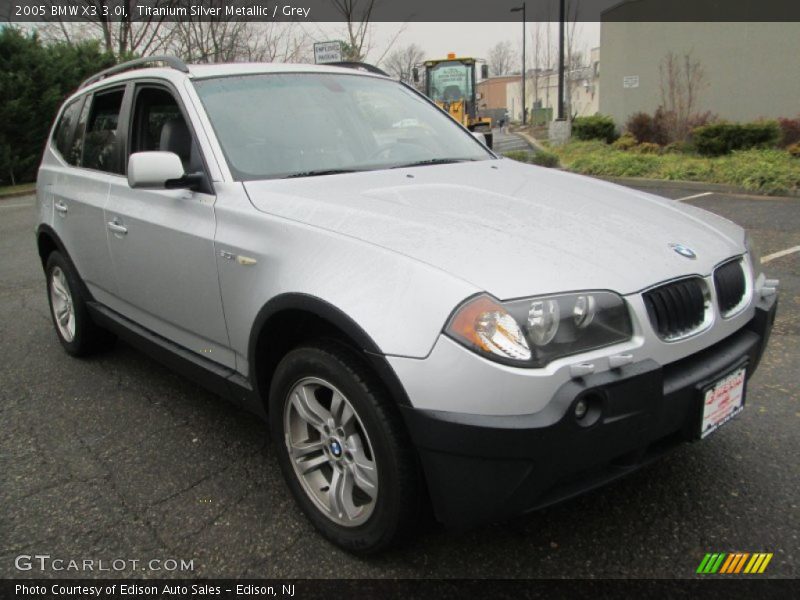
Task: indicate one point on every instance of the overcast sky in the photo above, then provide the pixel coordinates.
(465, 39)
(438, 39)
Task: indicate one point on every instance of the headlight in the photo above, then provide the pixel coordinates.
(536, 331)
(485, 326)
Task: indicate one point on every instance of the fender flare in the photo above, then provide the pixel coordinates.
(339, 319)
(44, 229)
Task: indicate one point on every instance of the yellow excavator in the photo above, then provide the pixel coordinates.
(450, 82)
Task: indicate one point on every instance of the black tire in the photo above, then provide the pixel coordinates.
(399, 497)
(88, 338)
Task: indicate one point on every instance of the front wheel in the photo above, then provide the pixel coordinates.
(342, 448)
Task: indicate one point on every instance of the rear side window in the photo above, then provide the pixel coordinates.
(100, 133)
(66, 126)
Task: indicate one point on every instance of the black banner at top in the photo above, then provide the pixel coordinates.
(397, 10)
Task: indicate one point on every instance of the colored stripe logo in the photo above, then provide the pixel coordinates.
(734, 563)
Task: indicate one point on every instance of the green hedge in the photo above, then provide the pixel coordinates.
(722, 138)
(540, 157)
(34, 80)
(767, 170)
(597, 127)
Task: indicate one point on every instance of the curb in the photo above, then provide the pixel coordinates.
(18, 194)
(694, 185)
(531, 140)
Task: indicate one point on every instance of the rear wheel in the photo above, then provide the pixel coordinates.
(76, 331)
(342, 448)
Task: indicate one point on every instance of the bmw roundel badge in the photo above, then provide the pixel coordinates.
(683, 250)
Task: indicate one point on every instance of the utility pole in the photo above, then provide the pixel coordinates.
(561, 18)
(524, 108)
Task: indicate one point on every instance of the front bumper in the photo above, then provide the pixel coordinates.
(481, 468)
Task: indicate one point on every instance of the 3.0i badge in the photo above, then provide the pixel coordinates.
(683, 250)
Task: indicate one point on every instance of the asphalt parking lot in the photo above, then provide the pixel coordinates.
(116, 457)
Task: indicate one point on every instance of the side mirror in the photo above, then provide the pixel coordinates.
(160, 170)
(415, 74)
(478, 135)
(153, 169)
(484, 71)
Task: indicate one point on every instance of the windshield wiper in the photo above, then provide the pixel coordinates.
(434, 161)
(320, 172)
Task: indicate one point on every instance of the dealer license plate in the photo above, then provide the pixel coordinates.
(722, 401)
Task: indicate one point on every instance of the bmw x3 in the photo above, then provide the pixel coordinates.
(418, 319)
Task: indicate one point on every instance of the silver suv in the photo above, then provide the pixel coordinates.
(418, 319)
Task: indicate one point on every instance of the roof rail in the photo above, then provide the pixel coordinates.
(171, 61)
(359, 66)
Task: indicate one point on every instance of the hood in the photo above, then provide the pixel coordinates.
(510, 229)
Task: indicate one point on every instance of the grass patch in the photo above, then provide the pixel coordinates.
(765, 171)
(540, 157)
(13, 190)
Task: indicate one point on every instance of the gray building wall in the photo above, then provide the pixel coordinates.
(752, 70)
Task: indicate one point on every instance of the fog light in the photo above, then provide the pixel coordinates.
(581, 408)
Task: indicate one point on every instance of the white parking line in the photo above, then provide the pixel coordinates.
(694, 196)
(779, 254)
(18, 205)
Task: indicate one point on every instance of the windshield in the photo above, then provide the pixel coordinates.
(450, 82)
(298, 124)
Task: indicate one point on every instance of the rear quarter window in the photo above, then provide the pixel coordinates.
(66, 127)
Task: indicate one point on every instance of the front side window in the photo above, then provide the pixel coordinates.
(159, 125)
(296, 124)
(100, 134)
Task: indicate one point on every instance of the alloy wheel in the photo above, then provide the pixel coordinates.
(62, 304)
(330, 452)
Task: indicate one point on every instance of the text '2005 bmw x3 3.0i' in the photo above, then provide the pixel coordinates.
(417, 318)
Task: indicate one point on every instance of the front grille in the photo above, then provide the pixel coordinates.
(730, 284)
(676, 309)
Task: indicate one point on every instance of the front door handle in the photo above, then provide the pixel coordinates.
(117, 227)
(61, 207)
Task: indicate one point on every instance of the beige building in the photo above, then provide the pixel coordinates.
(751, 70)
(582, 92)
(493, 91)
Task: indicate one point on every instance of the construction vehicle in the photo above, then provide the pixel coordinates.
(451, 83)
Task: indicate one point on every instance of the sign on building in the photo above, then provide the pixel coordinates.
(327, 52)
(630, 81)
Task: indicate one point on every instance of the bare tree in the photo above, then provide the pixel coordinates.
(541, 53)
(195, 39)
(502, 59)
(401, 62)
(210, 41)
(220, 40)
(357, 15)
(575, 56)
(682, 80)
(121, 36)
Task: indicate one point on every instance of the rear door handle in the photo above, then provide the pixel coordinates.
(61, 207)
(117, 227)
